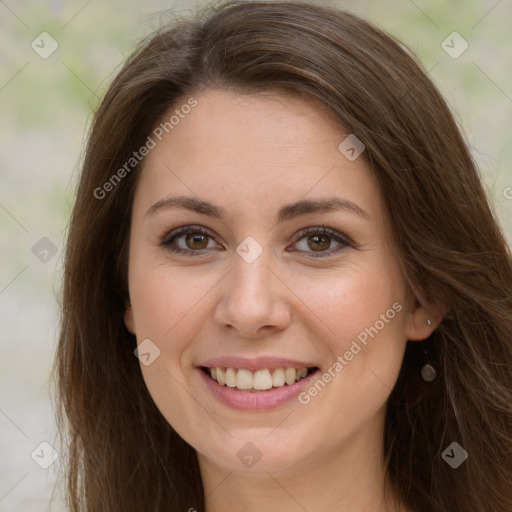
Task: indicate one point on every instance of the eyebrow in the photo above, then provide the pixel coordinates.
(287, 212)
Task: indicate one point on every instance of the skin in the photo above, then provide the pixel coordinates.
(252, 154)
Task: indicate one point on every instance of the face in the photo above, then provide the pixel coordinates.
(259, 253)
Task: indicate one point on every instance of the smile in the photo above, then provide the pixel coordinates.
(260, 380)
(258, 388)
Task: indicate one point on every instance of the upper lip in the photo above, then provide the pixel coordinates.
(257, 363)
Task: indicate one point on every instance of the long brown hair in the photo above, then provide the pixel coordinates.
(123, 455)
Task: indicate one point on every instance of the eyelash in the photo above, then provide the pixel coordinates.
(336, 236)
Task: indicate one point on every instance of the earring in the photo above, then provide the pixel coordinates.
(428, 372)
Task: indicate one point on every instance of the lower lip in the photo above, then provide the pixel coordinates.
(256, 400)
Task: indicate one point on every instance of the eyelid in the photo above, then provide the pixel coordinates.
(184, 230)
(309, 231)
(323, 230)
(339, 237)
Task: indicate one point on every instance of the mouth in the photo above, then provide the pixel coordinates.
(258, 381)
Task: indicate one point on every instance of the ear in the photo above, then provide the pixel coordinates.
(128, 318)
(418, 316)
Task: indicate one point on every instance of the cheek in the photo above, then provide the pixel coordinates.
(346, 302)
(362, 329)
(356, 317)
(169, 306)
(165, 299)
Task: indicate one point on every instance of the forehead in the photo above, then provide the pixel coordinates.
(253, 150)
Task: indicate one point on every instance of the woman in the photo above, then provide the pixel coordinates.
(285, 288)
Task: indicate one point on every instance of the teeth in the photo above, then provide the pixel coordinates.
(244, 379)
(278, 378)
(230, 378)
(290, 375)
(221, 376)
(262, 380)
(259, 380)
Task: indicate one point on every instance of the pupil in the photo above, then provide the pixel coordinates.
(321, 240)
(195, 238)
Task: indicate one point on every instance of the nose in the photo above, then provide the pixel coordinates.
(253, 300)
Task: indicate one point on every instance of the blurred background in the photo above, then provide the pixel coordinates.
(56, 60)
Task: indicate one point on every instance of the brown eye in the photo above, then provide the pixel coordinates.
(196, 240)
(189, 240)
(319, 242)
